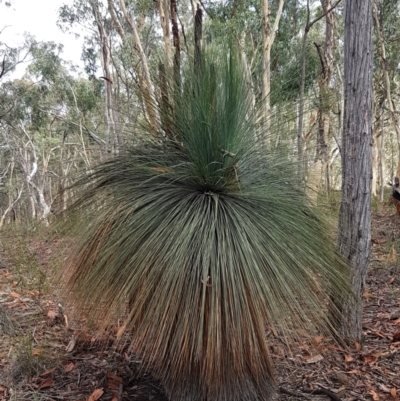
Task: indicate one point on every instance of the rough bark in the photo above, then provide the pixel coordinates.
(326, 59)
(176, 42)
(354, 236)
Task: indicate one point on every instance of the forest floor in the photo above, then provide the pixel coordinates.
(43, 356)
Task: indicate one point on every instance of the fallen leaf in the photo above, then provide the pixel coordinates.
(37, 352)
(47, 383)
(355, 372)
(369, 358)
(375, 395)
(389, 372)
(396, 336)
(44, 374)
(313, 359)
(52, 313)
(35, 293)
(114, 377)
(381, 334)
(368, 295)
(348, 358)
(113, 381)
(393, 393)
(358, 346)
(69, 367)
(96, 394)
(383, 315)
(385, 354)
(14, 294)
(317, 341)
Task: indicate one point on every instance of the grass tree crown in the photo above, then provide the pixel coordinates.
(203, 236)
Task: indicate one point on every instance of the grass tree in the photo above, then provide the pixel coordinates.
(207, 239)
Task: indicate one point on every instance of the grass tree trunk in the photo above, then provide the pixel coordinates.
(354, 236)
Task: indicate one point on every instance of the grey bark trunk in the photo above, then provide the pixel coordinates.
(325, 98)
(354, 235)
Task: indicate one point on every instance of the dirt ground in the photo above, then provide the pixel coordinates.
(43, 356)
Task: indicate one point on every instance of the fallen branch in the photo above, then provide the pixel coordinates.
(323, 391)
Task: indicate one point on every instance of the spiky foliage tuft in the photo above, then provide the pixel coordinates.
(210, 243)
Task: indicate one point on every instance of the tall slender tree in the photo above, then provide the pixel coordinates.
(268, 40)
(355, 212)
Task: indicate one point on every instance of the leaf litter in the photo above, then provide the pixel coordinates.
(72, 363)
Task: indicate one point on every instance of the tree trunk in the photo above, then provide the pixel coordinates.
(382, 182)
(377, 153)
(163, 10)
(268, 40)
(198, 37)
(354, 237)
(176, 41)
(386, 79)
(325, 98)
(148, 87)
(309, 24)
(105, 63)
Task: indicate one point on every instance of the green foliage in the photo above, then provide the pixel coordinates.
(208, 241)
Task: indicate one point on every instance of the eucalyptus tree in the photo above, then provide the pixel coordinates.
(386, 21)
(326, 98)
(354, 232)
(327, 7)
(269, 35)
(50, 126)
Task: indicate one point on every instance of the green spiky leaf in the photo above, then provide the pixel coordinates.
(209, 242)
